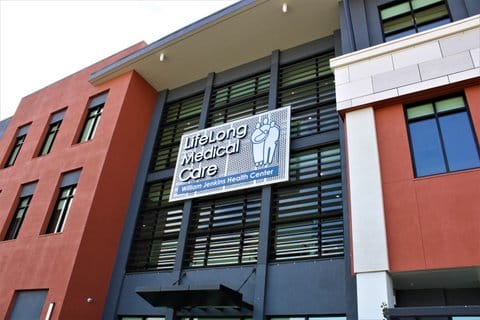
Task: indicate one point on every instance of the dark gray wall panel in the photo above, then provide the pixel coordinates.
(306, 287)
(473, 7)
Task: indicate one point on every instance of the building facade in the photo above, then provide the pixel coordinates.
(65, 179)
(378, 218)
(411, 113)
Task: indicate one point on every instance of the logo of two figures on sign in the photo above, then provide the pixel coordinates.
(265, 142)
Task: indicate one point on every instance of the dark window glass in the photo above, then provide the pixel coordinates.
(50, 138)
(307, 217)
(308, 88)
(16, 150)
(62, 208)
(427, 148)
(441, 137)
(91, 123)
(179, 117)
(402, 18)
(460, 145)
(239, 99)
(224, 230)
(155, 241)
(18, 218)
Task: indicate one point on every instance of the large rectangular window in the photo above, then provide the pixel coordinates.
(402, 18)
(28, 304)
(442, 138)
(224, 230)
(66, 193)
(95, 108)
(308, 87)
(24, 200)
(155, 241)
(307, 219)
(19, 140)
(53, 128)
(179, 117)
(239, 99)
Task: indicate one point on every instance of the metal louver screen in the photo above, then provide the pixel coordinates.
(224, 231)
(156, 233)
(307, 217)
(239, 99)
(179, 117)
(308, 87)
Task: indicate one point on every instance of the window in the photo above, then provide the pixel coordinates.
(23, 202)
(28, 304)
(441, 137)
(53, 128)
(64, 202)
(19, 140)
(95, 108)
(224, 230)
(403, 18)
(179, 117)
(307, 217)
(155, 241)
(239, 99)
(308, 87)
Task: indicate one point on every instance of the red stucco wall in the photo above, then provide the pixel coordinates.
(432, 222)
(76, 263)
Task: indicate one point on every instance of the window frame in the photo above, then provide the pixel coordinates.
(49, 139)
(436, 117)
(165, 151)
(16, 224)
(91, 123)
(17, 146)
(411, 12)
(217, 228)
(282, 211)
(56, 223)
(155, 239)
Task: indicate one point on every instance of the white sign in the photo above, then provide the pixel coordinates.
(241, 154)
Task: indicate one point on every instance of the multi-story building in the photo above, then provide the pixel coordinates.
(65, 179)
(411, 111)
(380, 212)
(271, 251)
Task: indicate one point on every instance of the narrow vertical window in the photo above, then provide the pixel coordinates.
(53, 129)
(441, 137)
(24, 200)
(64, 202)
(95, 108)
(19, 140)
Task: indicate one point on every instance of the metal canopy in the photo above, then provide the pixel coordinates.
(218, 297)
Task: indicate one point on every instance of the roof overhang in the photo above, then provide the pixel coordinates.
(181, 297)
(244, 32)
